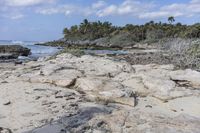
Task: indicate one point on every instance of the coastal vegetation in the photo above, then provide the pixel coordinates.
(179, 43)
(104, 34)
(151, 31)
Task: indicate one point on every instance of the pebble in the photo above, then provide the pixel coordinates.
(148, 106)
(7, 103)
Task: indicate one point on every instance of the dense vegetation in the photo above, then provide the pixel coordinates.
(150, 31)
(89, 30)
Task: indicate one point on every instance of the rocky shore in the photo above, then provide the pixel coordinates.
(69, 94)
(15, 49)
(8, 52)
(114, 42)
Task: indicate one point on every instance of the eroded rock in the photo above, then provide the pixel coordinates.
(99, 94)
(99, 89)
(185, 77)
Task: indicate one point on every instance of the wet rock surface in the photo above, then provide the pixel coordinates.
(11, 51)
(98, 94)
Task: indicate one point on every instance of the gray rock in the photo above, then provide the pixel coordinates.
(15, 50)
(7, 103)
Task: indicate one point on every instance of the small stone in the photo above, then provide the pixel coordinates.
(56, 111)
(70, 98)
(38, 97)
(7, 103)
(173, 110)
(99, 124)
(58, 96)
(165, 101)
(18, 62)
(73, 105)
(63, 131)
(148, 106)
(67, 94)
(4, 82)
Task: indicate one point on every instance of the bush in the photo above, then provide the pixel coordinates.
(184, 53)
(122, 39)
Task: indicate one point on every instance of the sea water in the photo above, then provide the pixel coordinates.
(36, 50)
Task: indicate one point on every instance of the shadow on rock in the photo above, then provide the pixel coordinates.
(74, 123)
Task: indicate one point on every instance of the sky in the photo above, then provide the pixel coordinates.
(44, 20)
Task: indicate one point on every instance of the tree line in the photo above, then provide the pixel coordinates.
(148, 31)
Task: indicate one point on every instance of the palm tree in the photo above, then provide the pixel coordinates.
(84, 25)
(171, 19)
(66, 32)
(74, 29)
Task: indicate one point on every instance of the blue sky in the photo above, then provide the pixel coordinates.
(43, 20)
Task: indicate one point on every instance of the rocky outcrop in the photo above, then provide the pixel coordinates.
(98, 94)
(115, 41)
(13, 51)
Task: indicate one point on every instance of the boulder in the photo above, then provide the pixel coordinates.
(15, 50)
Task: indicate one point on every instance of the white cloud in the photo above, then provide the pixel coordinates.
(148, 10)
(110, 10)
(98, 4)
(15, 9)
(16, 16)
(69, 9)
(102, 8)
(128, 7)
(13, 16)
(26, 2)
(66, 9)
(183, 9)
(153, 15)
(195, 1)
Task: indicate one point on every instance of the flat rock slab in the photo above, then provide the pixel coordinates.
(186, 77)
(32, 104)
(98, 94)
(105, 90)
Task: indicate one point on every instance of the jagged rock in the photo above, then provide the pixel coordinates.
(16, 50)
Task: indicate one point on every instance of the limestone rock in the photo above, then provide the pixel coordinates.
(105, 90)
(98, 94)
(186, 77)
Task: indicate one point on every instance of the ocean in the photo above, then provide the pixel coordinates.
(36, 50)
